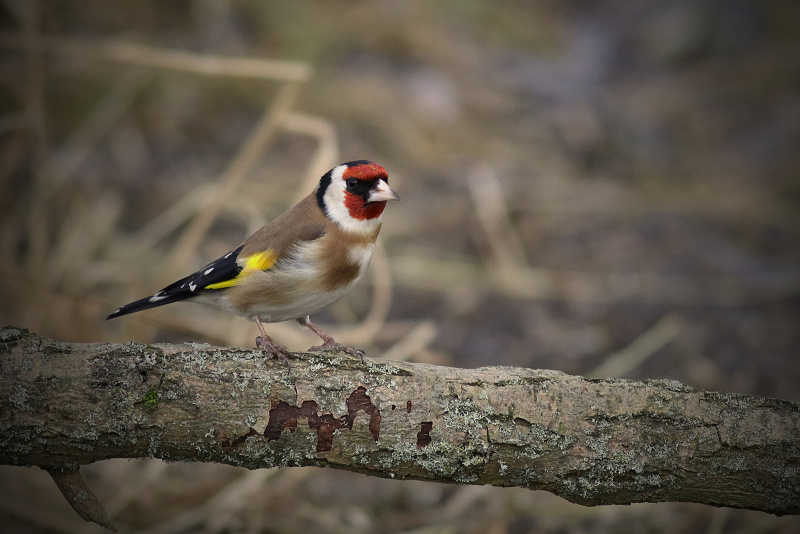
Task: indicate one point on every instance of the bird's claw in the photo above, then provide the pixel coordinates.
(273, 349)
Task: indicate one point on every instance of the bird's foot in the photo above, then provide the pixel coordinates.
(273, 349)
(334, 346)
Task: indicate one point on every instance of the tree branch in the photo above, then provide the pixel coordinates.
(590, 441)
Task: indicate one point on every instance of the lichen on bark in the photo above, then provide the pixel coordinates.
(590, 441)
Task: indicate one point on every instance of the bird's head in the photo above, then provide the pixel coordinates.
(354, 194)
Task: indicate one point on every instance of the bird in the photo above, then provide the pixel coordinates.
(302, 261)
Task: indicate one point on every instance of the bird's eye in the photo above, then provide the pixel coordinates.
(351, 183)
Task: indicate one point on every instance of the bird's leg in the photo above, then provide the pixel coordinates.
(328, 343)
(273, 349)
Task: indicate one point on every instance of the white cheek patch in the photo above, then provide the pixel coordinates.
(334, 202)
(334, 196)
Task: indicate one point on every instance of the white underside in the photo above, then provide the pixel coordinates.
(308, 305)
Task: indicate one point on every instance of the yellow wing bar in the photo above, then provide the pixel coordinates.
(257, 262)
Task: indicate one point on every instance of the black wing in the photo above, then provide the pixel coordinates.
(220, 270)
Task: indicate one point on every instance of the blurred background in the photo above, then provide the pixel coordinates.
(606, 188)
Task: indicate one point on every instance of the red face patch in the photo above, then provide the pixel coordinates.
(363, 210)
(355, 204)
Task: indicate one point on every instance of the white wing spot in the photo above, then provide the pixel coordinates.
(192, 286)
(207, 271)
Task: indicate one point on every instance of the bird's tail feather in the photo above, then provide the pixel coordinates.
(165, 296)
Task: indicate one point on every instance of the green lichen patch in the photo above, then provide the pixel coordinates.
(149, 400)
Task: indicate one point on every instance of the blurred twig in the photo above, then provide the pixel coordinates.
(178, 60)
(415, 341)
(623, 362)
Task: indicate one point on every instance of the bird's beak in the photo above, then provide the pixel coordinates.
(382, 192)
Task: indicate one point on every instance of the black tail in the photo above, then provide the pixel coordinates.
(222, 269)
(180, 290)
(147, 303)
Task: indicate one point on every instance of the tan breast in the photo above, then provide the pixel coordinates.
(344, 256)
(310, 276)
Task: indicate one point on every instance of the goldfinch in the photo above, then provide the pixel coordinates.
(299, 263)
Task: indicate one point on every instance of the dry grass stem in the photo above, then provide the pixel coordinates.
(620, 364)
(176, 60)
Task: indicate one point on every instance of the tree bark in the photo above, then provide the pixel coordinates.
(590, 441)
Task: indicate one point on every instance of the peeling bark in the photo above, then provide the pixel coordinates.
(590, 441)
